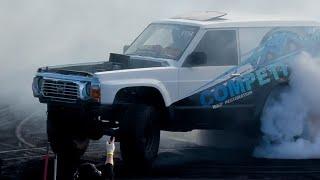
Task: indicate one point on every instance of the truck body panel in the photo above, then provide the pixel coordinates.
(244, 60)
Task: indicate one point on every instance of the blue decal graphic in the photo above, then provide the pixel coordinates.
(266, 63)
(244, 84)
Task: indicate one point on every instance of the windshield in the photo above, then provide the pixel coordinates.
(163, 41)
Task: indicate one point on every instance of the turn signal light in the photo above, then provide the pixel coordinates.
(95, 93)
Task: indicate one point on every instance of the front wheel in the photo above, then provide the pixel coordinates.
(140, 135)
(65, 140)
(63, 134)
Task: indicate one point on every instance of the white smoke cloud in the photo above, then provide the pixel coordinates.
(291, 120)
(37, 33)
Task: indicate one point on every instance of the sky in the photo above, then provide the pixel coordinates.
(37, 33)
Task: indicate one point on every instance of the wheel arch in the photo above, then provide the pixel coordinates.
(111, 89)
(140, 95)
(267, 93)
(144, 95)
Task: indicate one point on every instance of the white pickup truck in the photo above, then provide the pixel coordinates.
(204, 70)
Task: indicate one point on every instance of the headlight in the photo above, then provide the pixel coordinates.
(36, 86)
(85, 90)
(88, 89)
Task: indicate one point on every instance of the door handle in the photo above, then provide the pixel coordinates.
(235, 74)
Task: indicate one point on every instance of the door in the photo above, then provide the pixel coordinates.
(221, 50)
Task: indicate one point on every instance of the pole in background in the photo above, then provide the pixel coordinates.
(46, 162)
(55, 167)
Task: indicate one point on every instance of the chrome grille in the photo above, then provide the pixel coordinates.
(60, 91)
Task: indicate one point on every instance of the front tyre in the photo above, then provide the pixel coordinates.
(65, 140)
(63, 134)
(139, 135)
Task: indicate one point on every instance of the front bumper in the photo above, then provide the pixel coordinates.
(70, 93)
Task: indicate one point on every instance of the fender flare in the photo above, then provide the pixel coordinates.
(113, 87)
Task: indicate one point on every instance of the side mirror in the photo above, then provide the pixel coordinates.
(125, 48)
(196, 59)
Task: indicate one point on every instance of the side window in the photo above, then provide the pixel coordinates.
(220, 47)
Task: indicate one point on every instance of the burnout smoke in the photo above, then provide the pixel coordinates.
(291, 120)
(38, 33)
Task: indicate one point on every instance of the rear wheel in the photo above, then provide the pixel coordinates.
(140, 135)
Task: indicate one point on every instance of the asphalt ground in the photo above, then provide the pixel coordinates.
(181, 156)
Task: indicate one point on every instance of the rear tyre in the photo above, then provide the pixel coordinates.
(139, 135)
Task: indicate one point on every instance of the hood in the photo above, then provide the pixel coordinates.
(116, 62)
